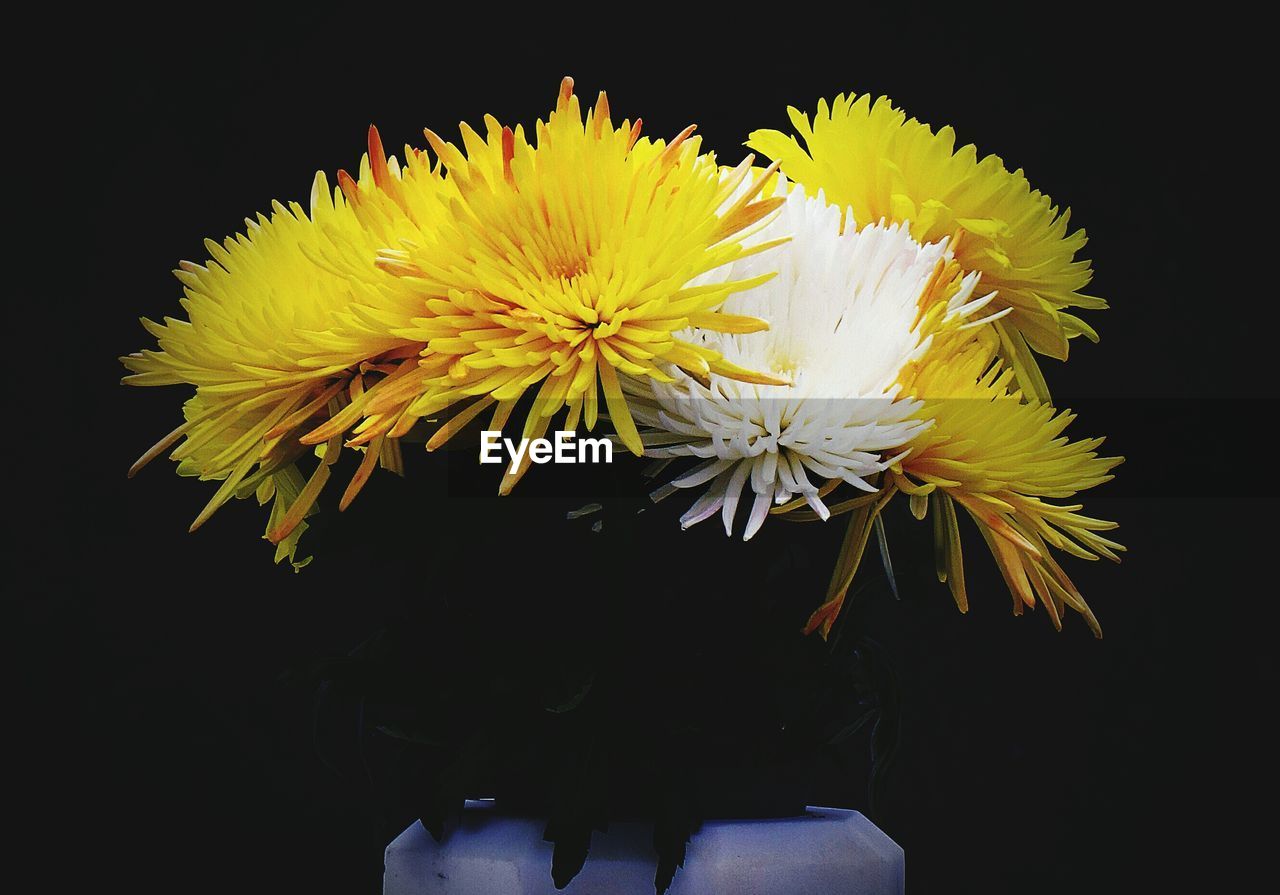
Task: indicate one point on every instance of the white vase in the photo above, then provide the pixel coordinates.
(825, 850)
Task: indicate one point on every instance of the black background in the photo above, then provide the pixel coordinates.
(156, 740)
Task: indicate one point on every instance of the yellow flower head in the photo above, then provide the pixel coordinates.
(872, 158)
(999, 456)
(276, 339)
(280, 482)
(557, 263)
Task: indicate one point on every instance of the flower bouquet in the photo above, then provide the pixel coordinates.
(849, 315)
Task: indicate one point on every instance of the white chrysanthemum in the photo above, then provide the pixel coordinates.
(844, 313)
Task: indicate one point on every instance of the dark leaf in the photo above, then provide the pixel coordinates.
(568, 701)
(671, 833)
(850, 730)
(883, 540)
(580, 805)
(337, 728)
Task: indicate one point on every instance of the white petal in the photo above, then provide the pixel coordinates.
(759, 512)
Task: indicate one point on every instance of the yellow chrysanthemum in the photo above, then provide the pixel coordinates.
(883, 165)
(559, 263)
(279, 336)
(1001, 458)
(281, 482)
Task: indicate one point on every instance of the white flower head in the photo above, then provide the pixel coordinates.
(844, 321)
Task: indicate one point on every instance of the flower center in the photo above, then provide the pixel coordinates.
(568, 268)
(784, 364)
